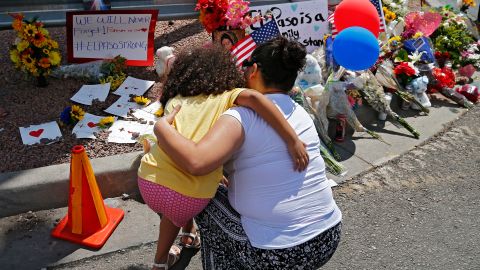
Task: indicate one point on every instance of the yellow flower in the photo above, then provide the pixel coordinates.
(52, 43)
(14, 56)
(395, 38)
(22, 45)
(43, 31)
(30, 30)
(54, 58)
(77, 113)
(28, 61)
(390, 16)
(46, 52)
(106, 122)
(159, 112)
(469, 3)
(141, 100)
(417, 35)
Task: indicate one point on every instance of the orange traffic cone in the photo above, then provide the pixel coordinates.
(88, 222)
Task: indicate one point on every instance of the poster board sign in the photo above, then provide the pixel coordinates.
(305, 22)
(93, 35)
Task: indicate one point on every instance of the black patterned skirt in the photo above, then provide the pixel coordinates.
(225, 244)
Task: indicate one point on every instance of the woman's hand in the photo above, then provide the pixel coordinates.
(171, 116)
(299, 154)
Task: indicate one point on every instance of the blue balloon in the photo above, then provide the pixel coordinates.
(356, 48)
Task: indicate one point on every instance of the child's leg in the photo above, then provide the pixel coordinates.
(166, 237)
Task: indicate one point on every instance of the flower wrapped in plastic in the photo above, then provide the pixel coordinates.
(386, 77)
(374, 95)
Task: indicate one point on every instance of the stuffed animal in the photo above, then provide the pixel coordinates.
(418, 87)
(311, 75)
(165, 60)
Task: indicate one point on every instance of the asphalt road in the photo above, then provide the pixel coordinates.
(419, 211)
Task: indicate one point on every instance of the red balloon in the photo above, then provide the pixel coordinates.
(357, 13)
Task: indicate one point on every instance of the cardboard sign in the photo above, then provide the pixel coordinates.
(305, 22)
(95, 35)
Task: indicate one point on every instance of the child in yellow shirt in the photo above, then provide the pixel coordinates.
(200, 82)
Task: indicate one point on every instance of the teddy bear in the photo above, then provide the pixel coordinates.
(418, 87)
(166, 57)
(311, 75)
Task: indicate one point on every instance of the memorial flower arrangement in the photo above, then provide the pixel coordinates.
(34, 51)
(222, 14)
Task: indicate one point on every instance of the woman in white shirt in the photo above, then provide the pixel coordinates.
(271, 216)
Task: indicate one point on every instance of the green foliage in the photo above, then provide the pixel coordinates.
(452, 37)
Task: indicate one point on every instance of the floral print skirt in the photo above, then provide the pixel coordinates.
(226, 246)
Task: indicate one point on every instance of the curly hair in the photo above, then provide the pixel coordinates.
(202, 71)
(280, 60)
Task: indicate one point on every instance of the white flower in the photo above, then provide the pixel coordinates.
(393, 5)
(415, 56)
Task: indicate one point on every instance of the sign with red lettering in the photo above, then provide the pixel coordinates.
(93, 35)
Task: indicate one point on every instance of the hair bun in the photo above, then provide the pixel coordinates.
(292, 53)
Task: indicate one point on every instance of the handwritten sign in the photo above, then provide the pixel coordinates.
(305, 22)
(105, 34)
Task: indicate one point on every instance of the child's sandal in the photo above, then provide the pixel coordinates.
(195, 240)
(172, 258)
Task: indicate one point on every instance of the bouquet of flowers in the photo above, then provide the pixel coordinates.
(399, 8)
(33, 52)
(219, 14)
(101, 71)
(452, 36)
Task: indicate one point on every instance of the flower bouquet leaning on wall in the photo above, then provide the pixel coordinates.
(34, 51)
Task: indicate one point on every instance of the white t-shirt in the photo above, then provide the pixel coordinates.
(279, 207)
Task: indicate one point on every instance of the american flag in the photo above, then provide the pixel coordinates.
(244, 48)
(378, 6)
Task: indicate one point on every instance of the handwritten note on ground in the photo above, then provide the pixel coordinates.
(305, 22)
(106, 34)
(133, 86)
(37, 133)
(122, 107)
(127, 131)
(88, 93)
(88, 126)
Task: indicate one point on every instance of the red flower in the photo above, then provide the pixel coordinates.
(404, 68)
(444, 76)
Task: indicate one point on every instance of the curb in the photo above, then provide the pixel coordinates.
(47, 187)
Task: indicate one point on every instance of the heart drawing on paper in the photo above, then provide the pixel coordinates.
(36, 133)
(316, 27)
(294, 7)
(91, 124)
